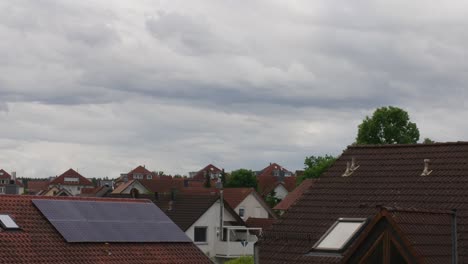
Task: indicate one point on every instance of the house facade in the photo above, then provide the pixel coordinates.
(9, 184)
(247, 203)
(71, 181)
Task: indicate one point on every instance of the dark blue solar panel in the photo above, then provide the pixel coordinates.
(99, 221)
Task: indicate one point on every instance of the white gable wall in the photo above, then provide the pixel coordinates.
(137, 185)
(252, 208)
(209, 219)
(281, 191)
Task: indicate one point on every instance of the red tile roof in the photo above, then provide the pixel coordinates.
(268, 171)
(201, 173)
(388, 175)
(37, 185)
(289, 183)
(234, 196)
(39, 242)
(267, 181)
(162, 185)
(293, 196)
(4, 174)
(264, 223)
(72, 174)
(140, 169)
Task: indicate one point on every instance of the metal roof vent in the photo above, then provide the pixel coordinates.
(350, 168)
(426, 170)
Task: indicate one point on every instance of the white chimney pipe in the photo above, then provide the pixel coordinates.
(13, 176)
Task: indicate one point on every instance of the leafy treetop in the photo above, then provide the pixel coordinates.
(242, 178)
(388, 125)
(315, 166)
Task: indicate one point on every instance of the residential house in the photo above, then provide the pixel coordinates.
(247, 203)
(199, 217)
(293, 196)
(277, 179)
(138, 173)
(72, 181)
(40, 229)
(56, 191)
(9, 184)
(379, 204)
(37, 186)
(213, 171)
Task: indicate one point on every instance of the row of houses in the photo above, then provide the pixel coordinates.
(195, 209)
(375, 204)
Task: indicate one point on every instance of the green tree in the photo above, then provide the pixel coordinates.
(242, 178)
(388, 125)
(271, 199)
(315, 166)
(428, 141)
(223, 177)
(207, 180)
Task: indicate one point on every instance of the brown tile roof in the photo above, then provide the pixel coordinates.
(39, 242)
(293, 196)
(4, 174)
(162, 185)
(234, 196)
(387, 175)
(264, 223)
(201, 173)
(37, 185)
(426, 234)
(72, 174)
(186, 208)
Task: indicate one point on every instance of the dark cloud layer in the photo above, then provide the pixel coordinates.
(106, 85)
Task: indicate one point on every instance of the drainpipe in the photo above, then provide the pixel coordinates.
(454, 237)
(219, 185)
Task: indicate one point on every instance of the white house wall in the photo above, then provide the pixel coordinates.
(252, 208)
(141, 189)
(281, 192)
(209, 219)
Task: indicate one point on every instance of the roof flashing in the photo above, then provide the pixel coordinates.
(340, 234)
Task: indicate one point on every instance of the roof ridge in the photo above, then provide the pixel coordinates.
(417, 210)
(408, 145)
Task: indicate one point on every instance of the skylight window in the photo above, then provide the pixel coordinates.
(7, 222)
(340, 234)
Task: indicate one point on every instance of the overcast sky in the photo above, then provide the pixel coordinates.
(104, 86)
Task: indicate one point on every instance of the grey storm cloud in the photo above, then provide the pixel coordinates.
(107, 85)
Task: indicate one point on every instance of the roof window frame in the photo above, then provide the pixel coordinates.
(348, 241)
(4, 225)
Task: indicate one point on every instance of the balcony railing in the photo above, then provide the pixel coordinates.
(238, 241)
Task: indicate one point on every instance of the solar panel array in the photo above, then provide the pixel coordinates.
(109, 221)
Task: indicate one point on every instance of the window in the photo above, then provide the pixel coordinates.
(241, 212)
(200, 234)
(71, 179)
(7, 222)
(341, 232)
(149, 177)
(2, 190)
(138, 176)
